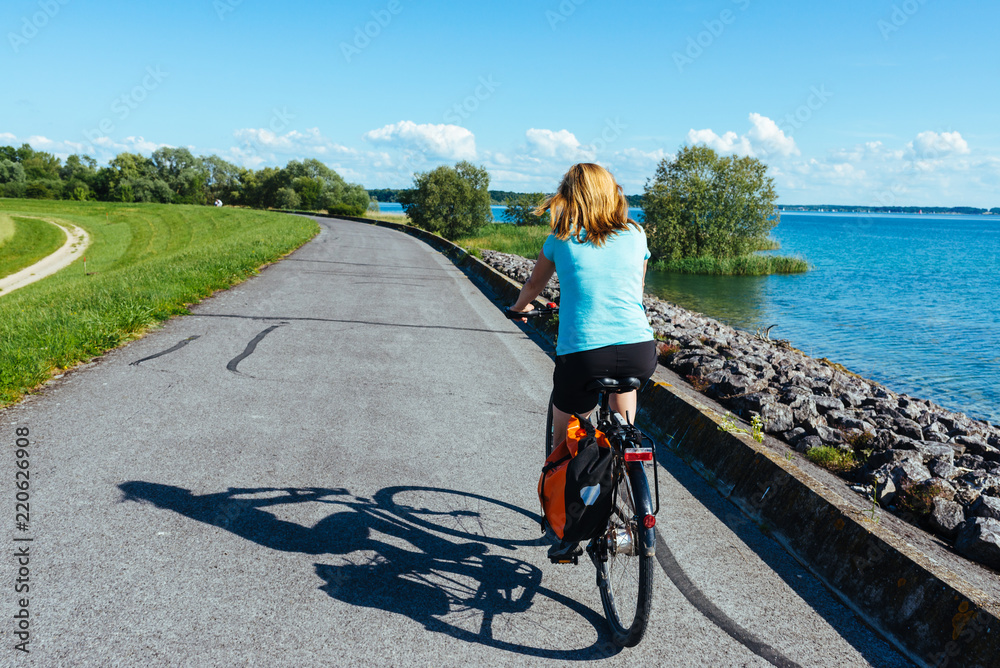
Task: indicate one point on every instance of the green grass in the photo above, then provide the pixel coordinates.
(146, 263)
(525, 241)
(745, 265)
(832, 459)
(400, 218)
(6, 228)
(32, 240)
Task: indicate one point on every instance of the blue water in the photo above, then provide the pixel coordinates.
(907, 300)
(396, 207)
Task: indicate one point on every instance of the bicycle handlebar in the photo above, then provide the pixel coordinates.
(549, 309)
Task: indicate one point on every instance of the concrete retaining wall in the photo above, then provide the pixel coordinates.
(933, 615)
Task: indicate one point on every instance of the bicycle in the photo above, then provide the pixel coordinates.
(624, 554)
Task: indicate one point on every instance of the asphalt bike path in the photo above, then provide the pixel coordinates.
(334, 464)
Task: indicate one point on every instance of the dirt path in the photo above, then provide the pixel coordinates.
(77, 241)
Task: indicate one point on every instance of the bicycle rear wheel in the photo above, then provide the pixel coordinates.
(627, 575)
(549, 445)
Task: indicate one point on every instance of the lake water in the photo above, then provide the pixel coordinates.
(906, 300)
(910, 301)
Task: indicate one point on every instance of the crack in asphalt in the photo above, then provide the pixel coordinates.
(248, 351)
(167, 351)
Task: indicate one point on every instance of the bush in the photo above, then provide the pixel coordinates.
(286, 198)
(450, 201)
(521, 210)
(700, 204)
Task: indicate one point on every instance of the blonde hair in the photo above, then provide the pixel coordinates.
(589, 205)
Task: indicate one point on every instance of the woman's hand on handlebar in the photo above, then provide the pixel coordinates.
(512, 314)
(530, 311)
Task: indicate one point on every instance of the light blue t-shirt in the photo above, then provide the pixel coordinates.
(600, 291)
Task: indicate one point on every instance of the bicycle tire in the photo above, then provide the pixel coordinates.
(628, 596)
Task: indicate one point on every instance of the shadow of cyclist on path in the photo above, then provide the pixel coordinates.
(391, 560)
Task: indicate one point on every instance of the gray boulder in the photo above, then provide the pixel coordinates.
(909, 428)
(935, 431)
(793, 435)
(829, 435)
(945, 518)
(985, 506)
(826, 404)
(852, 398)
(807, 443)
(777, 418)
(942, 468)
(979, 540)
(889, 478)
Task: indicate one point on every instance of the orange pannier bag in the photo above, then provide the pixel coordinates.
(575, 488)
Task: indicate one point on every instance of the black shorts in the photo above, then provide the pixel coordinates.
(575, 370)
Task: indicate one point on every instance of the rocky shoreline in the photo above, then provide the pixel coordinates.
(937, 469)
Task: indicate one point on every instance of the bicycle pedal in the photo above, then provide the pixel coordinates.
(565, 560)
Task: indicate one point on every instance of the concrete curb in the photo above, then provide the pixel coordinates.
(932, 614)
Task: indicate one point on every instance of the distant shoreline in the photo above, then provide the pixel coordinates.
(912, 210)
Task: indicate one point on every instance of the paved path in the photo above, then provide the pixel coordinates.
(77, 241)
(334, 464)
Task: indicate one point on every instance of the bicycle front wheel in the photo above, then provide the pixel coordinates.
(627, 575)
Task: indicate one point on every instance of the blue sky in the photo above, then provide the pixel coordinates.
(860, 102)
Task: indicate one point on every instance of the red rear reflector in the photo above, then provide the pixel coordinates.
(649, 521)
(638, 454)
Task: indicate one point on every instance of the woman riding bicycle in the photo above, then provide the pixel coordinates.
(600, 256)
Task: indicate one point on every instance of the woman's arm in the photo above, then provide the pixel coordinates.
(540, 275)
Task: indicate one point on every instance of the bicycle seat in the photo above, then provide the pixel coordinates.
(616, 385)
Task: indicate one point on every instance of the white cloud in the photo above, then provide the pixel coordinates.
(452, 142)
(763, 139)
(931, 145)
(727, 143)
(640, 158)
(767, 138)
(311, 142)
(561, 145)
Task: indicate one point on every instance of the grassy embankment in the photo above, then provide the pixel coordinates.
(744, 265)
(146, 263)
(25, 241)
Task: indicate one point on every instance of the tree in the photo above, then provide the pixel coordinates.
(450, 201)
(521, 209)
(700, 204)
